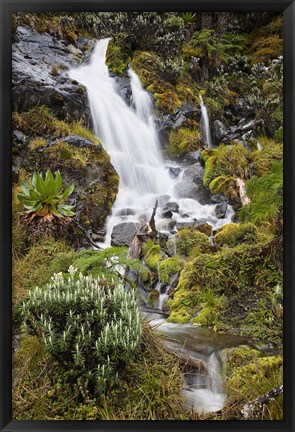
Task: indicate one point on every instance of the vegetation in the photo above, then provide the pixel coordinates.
(44, 198)
(84, 351)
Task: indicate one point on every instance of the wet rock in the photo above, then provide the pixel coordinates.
(123, 87)
(220, 210)
(174, 171)
(219, 199)
(123, 233)
(219, 131)
(40, 75)
(18, 136)
(167, 214)
(190, 224)
(194, 173)
(126, 212)
(172, 206)
(189, 189)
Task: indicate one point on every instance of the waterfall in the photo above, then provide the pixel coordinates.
(205, 122)
(129, 136)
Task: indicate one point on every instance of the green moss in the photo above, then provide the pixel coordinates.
(227, 186)
(38, 265)
(117, 59)
(234, 234)
(190, 239)
(242, 281)
(182, 305)
(265, 49)
(183, 140)
(254, 380)
(266, 194)
(262, 161)
(153, 297)
(169, 267)
(37, 143)
(227, 161)
(168, 101)
(152, 254)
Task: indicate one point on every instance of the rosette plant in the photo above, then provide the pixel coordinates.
(44, 197)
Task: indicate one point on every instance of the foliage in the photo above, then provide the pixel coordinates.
(245, 278)
(111, 262)
(169, 267)
(266, 194)
(234, 234)
(253, 380)
(152, 254)
(89, 327)
(190, 240)
(183, 140)
(43, 197)
(262, 160)
(228, 161)
(148, 387)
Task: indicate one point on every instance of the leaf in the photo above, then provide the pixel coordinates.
(40, 185)
(36, 196)
(67, 192)
(58, 182)
(25, 187)
(24, 199)
(66, 210)
(49, 183)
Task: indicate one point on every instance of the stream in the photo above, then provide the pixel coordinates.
(129, 135)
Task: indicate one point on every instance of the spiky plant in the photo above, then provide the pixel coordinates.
(44, 197)
(91, 328)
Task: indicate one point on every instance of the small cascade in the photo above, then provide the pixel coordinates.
(259, 146)
(205, 122)
(204, 390)
(163, 298)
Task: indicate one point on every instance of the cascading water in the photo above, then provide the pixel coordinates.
(205, 122)
(129, 135)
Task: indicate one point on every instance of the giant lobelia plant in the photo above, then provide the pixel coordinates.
(44, 197)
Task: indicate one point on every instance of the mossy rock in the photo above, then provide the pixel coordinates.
(240, 283)
(262, 160)
(226, 161)
(118, 54)
(183, 140)
(234, 234)
(254, 380)
(182, 305)
(168, 267)
(153, 297)
(152, 254)
(76, 152)
(190, 239)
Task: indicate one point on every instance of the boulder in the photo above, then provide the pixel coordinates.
(40, 64)
(220, 210)
(219, 131)
(123, 233)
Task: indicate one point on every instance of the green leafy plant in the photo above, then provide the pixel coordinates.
(43, 197)
(90, 327)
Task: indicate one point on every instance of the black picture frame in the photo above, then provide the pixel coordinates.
(7, 8)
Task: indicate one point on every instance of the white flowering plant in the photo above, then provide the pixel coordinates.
(89, 326)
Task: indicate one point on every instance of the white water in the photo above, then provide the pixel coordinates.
(129, 136)
(204, 388)
(205, 122)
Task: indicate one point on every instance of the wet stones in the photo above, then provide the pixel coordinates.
(123, 233)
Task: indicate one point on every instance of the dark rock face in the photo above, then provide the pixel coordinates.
(173, 121)
(39, 75)
(123, 87)
(241, 131)
(174, 171)
(123, 233)
(220, 210)
(192, 186)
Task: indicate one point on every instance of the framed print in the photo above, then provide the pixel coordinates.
(147, 191)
